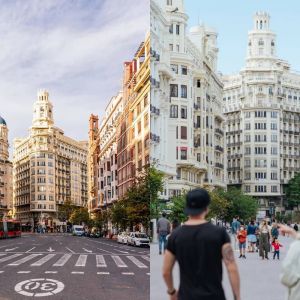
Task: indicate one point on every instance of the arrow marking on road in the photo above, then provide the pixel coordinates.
(11, 249)
(89, 251)
(50, 250)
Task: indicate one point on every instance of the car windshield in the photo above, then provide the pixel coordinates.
(141, 235)
(78, 229)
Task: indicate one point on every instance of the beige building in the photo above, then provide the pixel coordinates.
(5, 171)
(49, 169)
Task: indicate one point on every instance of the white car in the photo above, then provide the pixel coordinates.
(78, 230)
(122, 238)
(138, 239)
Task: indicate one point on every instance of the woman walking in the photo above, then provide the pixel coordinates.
(264, 240)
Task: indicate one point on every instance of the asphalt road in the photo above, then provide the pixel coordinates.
(57, 266)
(260, 279)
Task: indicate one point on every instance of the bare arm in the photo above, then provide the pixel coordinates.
(233, 273)
(169, 261)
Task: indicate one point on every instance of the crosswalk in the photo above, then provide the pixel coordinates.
(76, 262)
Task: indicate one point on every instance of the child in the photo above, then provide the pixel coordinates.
(276, 247)
(241, 236)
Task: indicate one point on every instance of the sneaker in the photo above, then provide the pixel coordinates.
(159, 252)
(240, 256)
(244, 256)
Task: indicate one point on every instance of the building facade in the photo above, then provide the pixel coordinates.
(49, 169)
(262, 108)
(6, 193)
(187, 122)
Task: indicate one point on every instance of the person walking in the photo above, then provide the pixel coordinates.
(242, 237)
(290, 276)
(276, 245)
(274, 231)
(251, 231)
(235, 227)
(199, 248)
(163, 229)
(264, 240)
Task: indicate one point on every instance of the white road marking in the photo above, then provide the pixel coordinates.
(50, 272)
(119, 262)
(24, 259)
(148, 273)
(30, 249)
(2, 254)
(23, 272)
(9, 257)
(81, 260)
(11, 249)
(100, 261)
(105, 250)
(127, 273)
(50, 250)
(1, 272)
(61, 262)
(146, 257)
(137, 262)
(43, 260)
(74, 272)
(70, 250)
(89, 251)
(125, 252)
(103, 273)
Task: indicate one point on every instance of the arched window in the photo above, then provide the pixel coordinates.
(272, 43)
(260, 42)
(261, 24)
(249, 43)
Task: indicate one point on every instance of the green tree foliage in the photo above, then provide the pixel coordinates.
(177, 208)
(80, 216)
(119, 215)
(65, 210)
(219, 205)
(293, 191)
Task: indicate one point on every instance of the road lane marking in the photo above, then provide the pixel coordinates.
(89, 251)
(23, 272)
(148, 274)
(100, 261)
(1, 272)
(76, 272)
(70, 250)
(9, 257)
(127, 273)
(105, 250)
(50, 272)
(12, 249)
(124, 252)
(137, 262)
(81, 261)
(118, 261)
(24, 259)
(50, 250)
(43, 260)
(30, 249)
(146, 257)
(103, 273)
(2, 254)
(61, 262)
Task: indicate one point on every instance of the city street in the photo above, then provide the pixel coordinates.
(259, 279)
(60, 266)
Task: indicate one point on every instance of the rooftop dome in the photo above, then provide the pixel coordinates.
(2, 121)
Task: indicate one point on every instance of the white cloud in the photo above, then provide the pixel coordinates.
(75, 49)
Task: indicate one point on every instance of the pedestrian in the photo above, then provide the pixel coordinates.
(274, 232)
(235, 227)
(264, 240)
(276, 245)
(242, 236)
(199, 247)
(251, 230)
(290, 275)
(296, 227)
(163, 229)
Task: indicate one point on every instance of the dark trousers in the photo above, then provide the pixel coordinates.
(276, 252)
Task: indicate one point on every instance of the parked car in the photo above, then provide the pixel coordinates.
(138, 239)
(122, 237)
(77, 230)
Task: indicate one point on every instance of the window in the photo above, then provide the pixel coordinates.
(260, 188)
(183, 91)
(274, 150)
(171, 28)
(247, 163)
(174, 68)
(184, 70)
(183, 132)
(177, 29)
(247, 114)
(274, 188)
(274, 138)
(183, 153)
(247, 126)
(173, 90)
(183, 112)
(174, 111)
(247, 150)
(274, 163)
(260, 150)
(169, 2)
(260, 175)
(260, 163)
(247, 138)
(171, 47)
(274, 176)
(247, 189)
(177, 48)
(198, 83)
(260, 114)
(260, 42)
(273, 126)
(260, 126)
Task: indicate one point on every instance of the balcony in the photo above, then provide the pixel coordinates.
(154, 138)
(219, 131)
(219, 165)
(154, 110)
(219, 148)
(234, 181)
(229, 169)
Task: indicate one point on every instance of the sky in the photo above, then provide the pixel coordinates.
(75, 49)
(233, 19)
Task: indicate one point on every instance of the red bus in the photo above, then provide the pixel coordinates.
(10, 228)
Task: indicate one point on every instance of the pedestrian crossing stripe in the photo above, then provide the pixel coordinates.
(81, 260)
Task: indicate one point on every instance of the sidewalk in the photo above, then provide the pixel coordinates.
(259, 279)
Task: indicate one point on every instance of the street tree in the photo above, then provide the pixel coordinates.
(119, 215)
(219, 205)
(177, 208)
(293, 191)
(65, 210)
(79, 216)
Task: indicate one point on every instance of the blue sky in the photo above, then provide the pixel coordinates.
(73, 48)
(233, 19)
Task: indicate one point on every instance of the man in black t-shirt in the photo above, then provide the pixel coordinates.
(199, 247)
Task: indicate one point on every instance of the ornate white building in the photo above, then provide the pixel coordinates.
(262, 108)
(6, 194)
(186, 101)
(49, 169)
